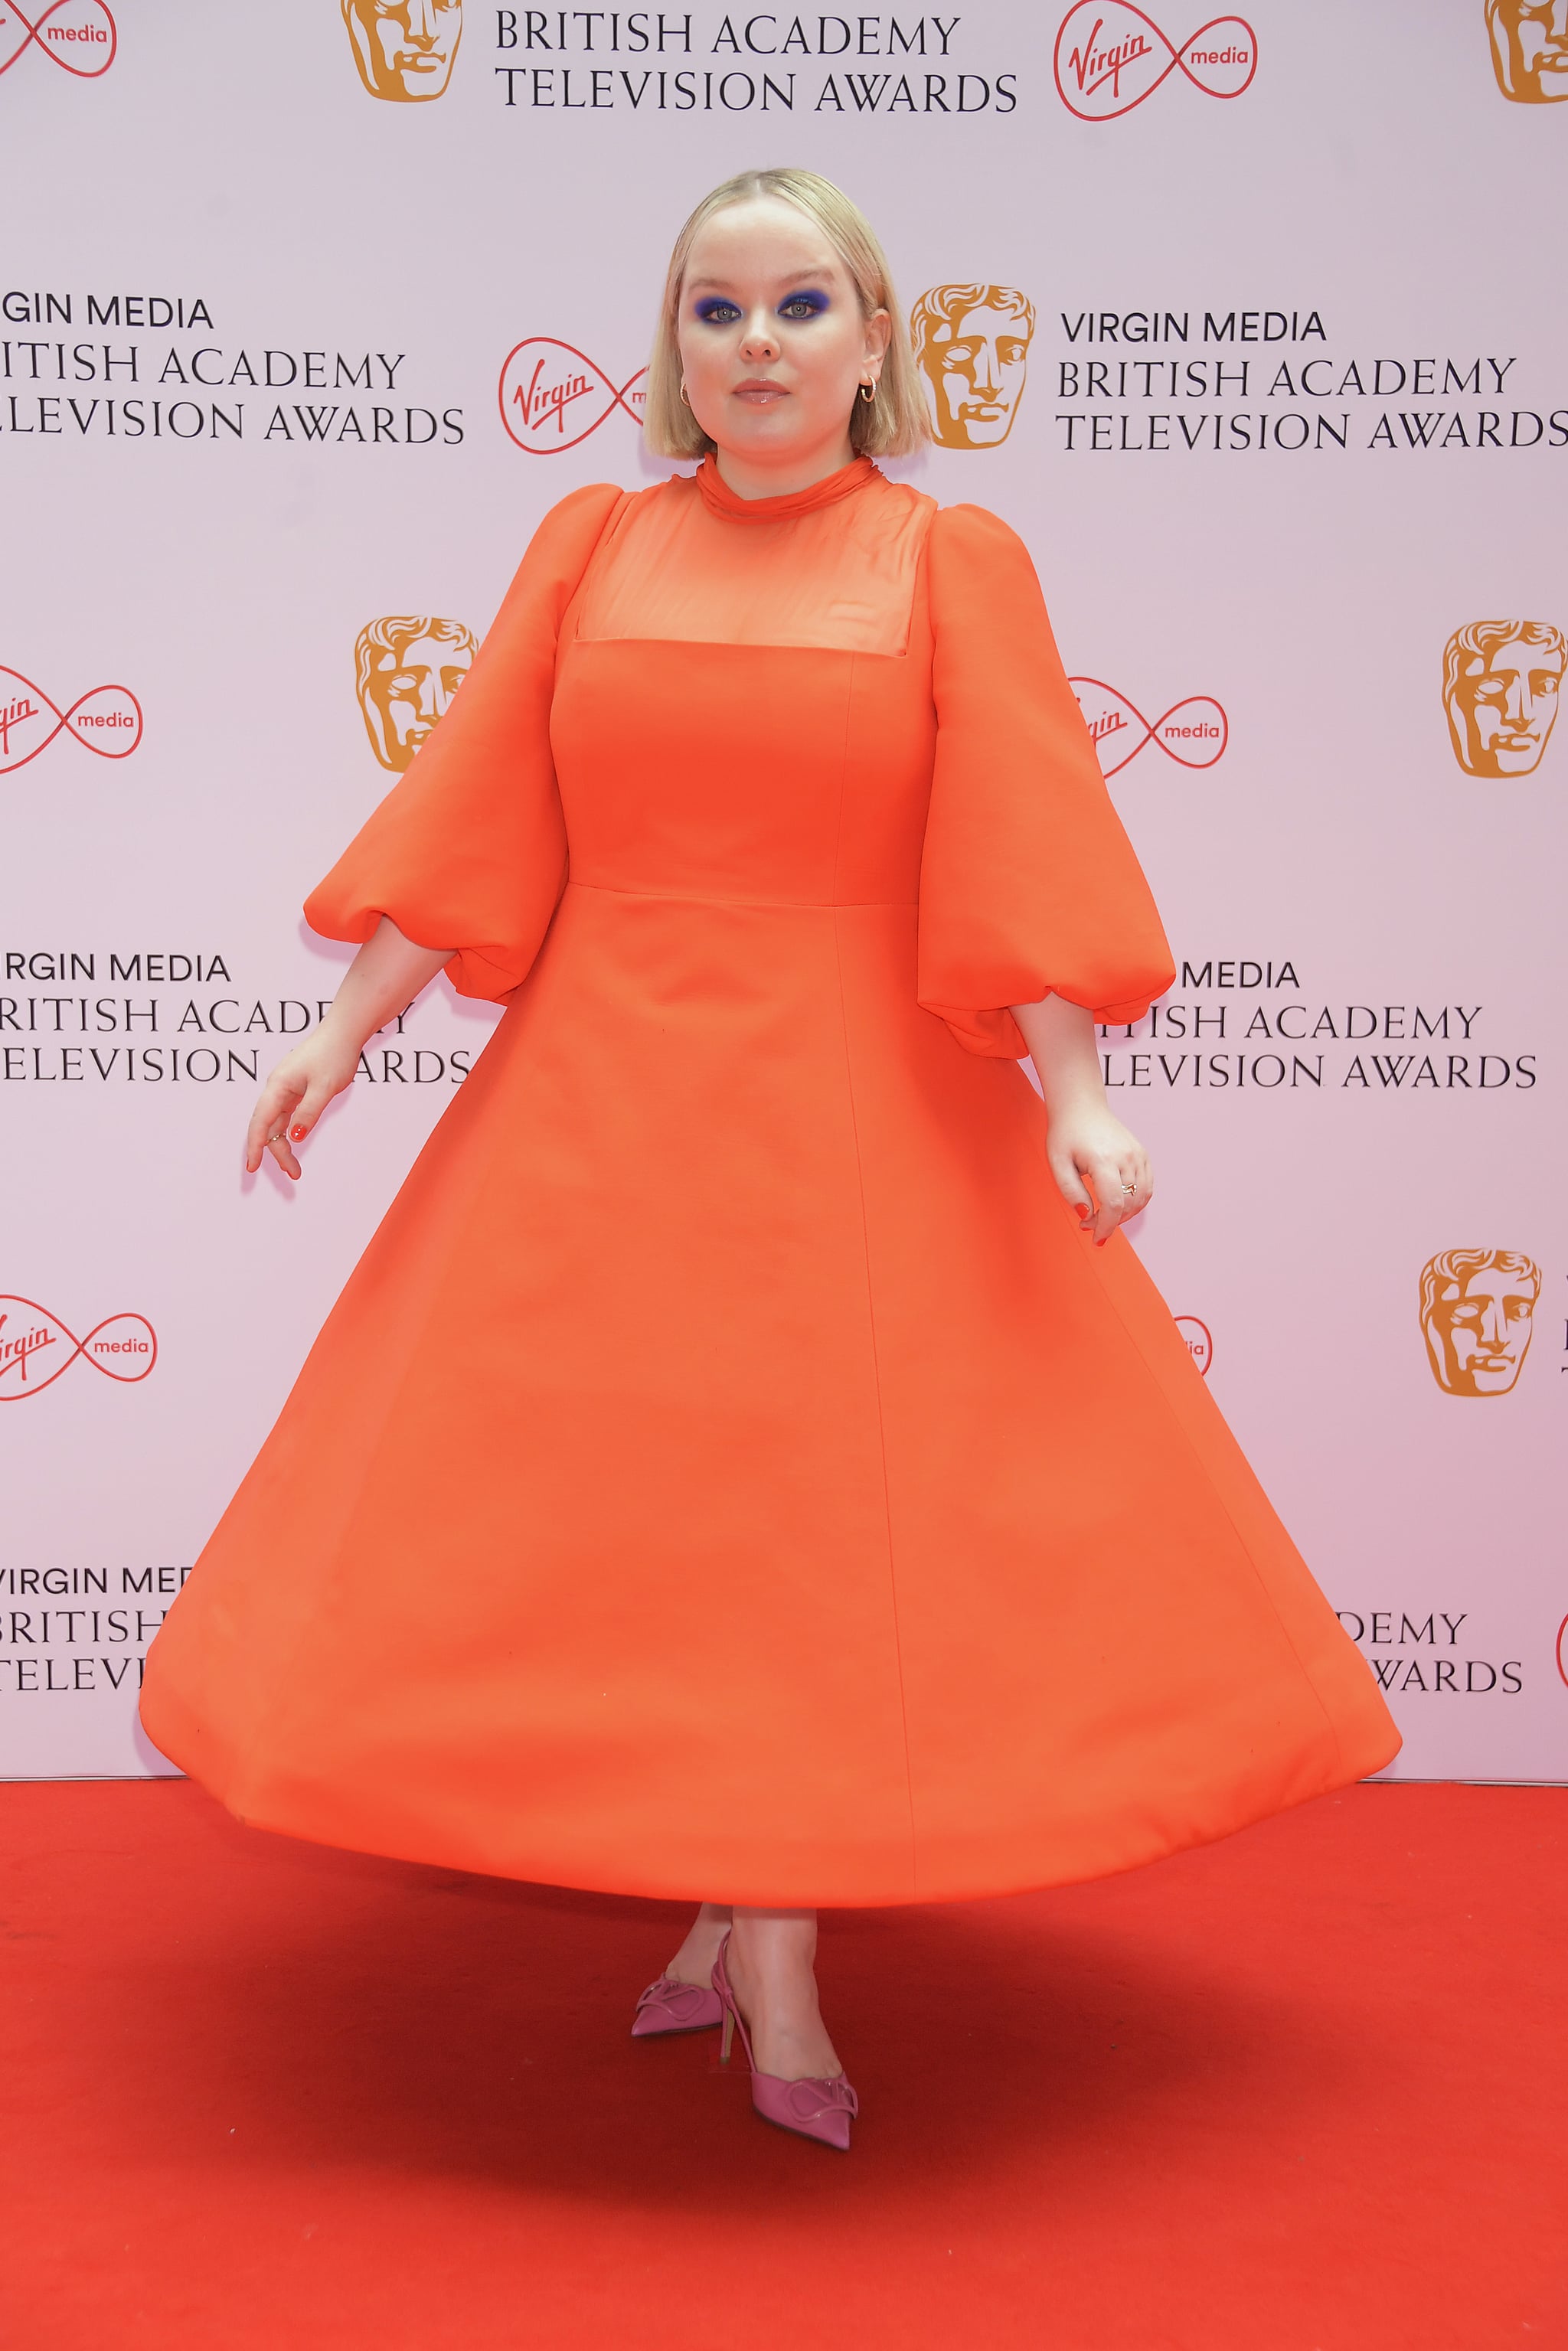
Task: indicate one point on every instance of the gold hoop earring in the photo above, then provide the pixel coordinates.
(684, 393)
(868, 393)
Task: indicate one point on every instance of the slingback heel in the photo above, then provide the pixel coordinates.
(819, 2106)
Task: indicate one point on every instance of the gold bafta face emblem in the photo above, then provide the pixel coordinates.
(404, 48)
(971, 343)
(1477, 1307)
(1501, 680)
(407, 668)
(1530, 50)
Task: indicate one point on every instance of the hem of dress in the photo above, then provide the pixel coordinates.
(881, 1890)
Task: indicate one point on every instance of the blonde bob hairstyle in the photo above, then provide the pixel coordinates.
(895, 423)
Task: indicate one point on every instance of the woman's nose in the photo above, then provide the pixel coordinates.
(759, 341)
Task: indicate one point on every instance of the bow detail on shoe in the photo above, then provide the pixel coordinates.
(818, 2095)
(668, 2005)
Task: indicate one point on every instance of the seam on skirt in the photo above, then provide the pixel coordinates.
(880, 1424)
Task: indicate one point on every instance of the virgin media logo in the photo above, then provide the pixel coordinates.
(78, 35)
(36, 1348)
(1110, 56)
(1198, 1340)
(106, 719)
(1194, 732)
(1562, 1649)
(553, 395)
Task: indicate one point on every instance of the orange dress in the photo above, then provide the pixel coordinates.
(730, 1472)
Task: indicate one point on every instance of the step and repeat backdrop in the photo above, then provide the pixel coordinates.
(1254, 331)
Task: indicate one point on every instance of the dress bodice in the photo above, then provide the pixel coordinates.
(841, 698)
(743, 707)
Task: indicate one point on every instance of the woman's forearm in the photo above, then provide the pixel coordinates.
(1064, 1050)
(387, 972)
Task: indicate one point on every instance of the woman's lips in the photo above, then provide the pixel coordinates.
(760, 395)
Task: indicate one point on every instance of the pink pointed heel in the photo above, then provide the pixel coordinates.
(670, 2006)
(818, 2106)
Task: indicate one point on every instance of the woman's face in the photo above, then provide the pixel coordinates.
(772, 343)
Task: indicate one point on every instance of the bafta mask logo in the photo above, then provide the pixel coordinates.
(1530, 50)
(1500, 686)
(404, 48)
(406, 669)
(971, 343)
(1477, 1307)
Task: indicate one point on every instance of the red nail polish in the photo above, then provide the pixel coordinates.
(296, 1133)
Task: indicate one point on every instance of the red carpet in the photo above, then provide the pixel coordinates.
(1302, 2092)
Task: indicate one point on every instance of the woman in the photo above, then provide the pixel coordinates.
(733, 1469)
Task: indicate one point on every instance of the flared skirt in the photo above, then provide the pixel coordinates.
(732, 1474)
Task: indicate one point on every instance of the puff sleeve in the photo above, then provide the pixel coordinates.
(468, 849)
(1028, 885)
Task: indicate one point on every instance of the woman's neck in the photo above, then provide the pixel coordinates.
(751, 476)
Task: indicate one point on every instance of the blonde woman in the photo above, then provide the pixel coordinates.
(748, 1464)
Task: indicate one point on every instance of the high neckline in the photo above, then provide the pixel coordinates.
(720, 499)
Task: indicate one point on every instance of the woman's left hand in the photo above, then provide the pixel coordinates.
(1101, 1169)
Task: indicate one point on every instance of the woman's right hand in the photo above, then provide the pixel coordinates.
(387, 972)
(294, 1097)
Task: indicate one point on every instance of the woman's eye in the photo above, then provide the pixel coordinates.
(718, 314)
(802, 306)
